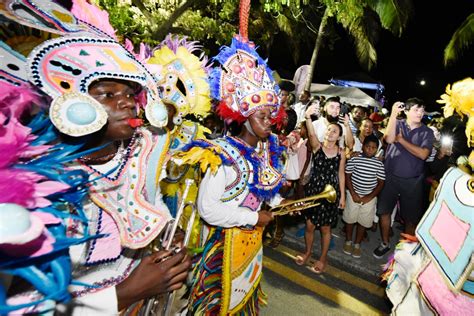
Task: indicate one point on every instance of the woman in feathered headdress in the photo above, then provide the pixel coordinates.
(241, 172)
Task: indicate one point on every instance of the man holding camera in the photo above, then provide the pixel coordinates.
(409, 144)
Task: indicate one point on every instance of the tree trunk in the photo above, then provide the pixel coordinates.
(164, 29)
(317, 45)
(142, 8)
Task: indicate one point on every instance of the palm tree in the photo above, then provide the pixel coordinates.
(461, 39)
(362, 19)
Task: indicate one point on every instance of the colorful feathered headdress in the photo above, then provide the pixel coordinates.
(64, 67)
(182, 76)
(37, 193)
(242, 83)
(459, 98)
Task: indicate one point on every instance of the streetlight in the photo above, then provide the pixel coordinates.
(422, 82)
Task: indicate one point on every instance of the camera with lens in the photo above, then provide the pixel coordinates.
(402, 106)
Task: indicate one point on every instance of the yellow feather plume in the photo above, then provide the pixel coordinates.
(459, 98)
(200, 101)
(207, 158)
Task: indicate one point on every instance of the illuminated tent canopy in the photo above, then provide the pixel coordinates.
(351, 95)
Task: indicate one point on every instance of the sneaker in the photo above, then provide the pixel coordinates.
(356, 251)
(347, 249)
(381, 250)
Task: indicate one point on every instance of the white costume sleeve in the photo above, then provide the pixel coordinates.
(213, 210)
(103, 302)
(275, 200)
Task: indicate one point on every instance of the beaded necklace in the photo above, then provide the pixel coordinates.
(122, 155)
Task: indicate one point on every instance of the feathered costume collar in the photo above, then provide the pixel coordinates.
(263, 158)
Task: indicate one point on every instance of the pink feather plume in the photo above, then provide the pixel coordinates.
(92, 15)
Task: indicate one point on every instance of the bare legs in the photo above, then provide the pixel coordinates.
(320, 265)
(325, 241)
(308, 240)
(360, 230)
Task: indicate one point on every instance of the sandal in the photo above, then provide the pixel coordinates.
(275, 242)
(301, 260)
(318, 267)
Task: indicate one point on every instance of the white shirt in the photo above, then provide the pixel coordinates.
(300, 110)
(358, 147)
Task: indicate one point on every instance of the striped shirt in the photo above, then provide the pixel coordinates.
(365, 172)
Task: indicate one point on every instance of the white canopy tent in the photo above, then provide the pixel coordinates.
(351, 95)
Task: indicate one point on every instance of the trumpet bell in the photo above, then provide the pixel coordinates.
(329, 193)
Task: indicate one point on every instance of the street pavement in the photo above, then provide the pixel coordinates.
(367, 265)
(295, 290)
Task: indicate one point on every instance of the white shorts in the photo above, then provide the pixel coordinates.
(359, 213)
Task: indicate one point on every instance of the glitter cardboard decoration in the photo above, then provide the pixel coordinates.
(243, 83)
(46, 16)
(12, 67)
(181, 68)
(65, 67)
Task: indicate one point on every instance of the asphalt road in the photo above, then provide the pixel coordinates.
(295, 290)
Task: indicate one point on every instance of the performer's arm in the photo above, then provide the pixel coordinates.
(214, 211)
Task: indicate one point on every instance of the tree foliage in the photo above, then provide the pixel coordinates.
(213, 23)
(462, 38)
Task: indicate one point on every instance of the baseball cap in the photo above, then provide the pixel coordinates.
(376, 118)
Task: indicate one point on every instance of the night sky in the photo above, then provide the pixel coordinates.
(402, 62)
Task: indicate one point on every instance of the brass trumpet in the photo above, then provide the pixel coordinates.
(329, 193)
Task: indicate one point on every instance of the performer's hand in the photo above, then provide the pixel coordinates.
(178, 238)
(264, 218)
(158, 273)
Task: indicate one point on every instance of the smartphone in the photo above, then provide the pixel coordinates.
(341, 118)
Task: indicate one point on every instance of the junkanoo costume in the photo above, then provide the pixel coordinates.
(432, 273)
(123, 212)
(239, 177)
(174, 65)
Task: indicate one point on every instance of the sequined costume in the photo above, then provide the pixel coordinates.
(239, 177)
(123, 211)
(227, 273)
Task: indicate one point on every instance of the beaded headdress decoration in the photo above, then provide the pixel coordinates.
(243, 83)
(46, 16)
(65, 67)
(183, 77)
